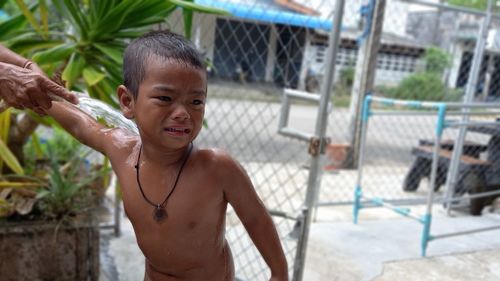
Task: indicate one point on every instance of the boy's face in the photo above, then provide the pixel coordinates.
(170, 105)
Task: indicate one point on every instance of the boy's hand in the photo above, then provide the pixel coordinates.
(29, 88)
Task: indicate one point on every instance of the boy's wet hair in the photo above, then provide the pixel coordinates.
(164, 44)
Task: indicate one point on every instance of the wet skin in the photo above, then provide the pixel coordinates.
(190, 243)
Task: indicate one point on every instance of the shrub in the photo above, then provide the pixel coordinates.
(436, 60)
(422, 86)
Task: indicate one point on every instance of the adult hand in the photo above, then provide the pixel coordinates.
(29, 88)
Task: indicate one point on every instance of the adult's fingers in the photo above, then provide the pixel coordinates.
(39, 111)
(58, 90)
(15, 99)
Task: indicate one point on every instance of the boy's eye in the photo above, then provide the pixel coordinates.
(164, 98)
(198, 102)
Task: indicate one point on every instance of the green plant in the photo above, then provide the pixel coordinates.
(346, 77)
(422, 86)
(436, 60)
(427, 85)
(66, 193)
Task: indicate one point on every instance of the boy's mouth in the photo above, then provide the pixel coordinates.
(178, 130)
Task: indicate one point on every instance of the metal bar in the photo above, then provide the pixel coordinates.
(471, 124)
(406, 103)
(465, 232)
(366, 204)
(106, 225)
(472, 113)
(361, 156)
(433, 105)
(302, 95)
(399, 210)
(473, 105)
(118, 210)
(471, 196)
(314, 179)
(469, 95)
(402, 113)
(294, 133)
(285, 112)
(417, 113)
(450, 7)
(427, 219)
(281, 214)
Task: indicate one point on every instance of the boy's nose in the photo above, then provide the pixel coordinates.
(180, 112)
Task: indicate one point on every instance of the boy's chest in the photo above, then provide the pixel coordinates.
(194, 223)
(191, 202)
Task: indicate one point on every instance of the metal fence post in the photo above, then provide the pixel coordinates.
(321, 123)
(366, 68)
(469, 96)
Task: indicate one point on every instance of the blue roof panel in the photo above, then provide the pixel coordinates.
(260, 12)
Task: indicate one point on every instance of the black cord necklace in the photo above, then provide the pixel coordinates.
(159, 212)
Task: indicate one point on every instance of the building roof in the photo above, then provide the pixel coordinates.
(272, 11)
(297, 7)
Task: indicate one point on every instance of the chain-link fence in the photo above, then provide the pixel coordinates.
(401, 49)
(424, 52)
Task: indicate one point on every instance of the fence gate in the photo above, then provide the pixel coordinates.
(256, 53)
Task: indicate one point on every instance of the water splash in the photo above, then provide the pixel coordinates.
(101, 110)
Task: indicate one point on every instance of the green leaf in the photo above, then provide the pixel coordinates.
(41, 194)
(27, 13)
(92, 76)
(73, 70)
(112, 53)
(188, 22)
(69, 14)
(2, 3)
(5, 118)
(148, 12)
(35, 140)
(55, 54)
(199, 8)
(44, 16)
(33, 44)
(78, 15)
(113, 20)
(46, 120)
(10, 159)
(11, 25)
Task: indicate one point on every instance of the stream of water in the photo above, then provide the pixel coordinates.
(99, 109)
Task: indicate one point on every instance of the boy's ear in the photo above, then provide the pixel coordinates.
(126, 101)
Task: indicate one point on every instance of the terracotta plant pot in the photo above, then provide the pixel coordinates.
(45, 251)
(336, 154)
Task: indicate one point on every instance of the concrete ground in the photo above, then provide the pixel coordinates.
(382, 246)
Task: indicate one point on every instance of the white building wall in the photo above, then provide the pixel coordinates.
(396, 13)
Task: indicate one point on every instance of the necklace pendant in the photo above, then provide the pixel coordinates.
(159, 214)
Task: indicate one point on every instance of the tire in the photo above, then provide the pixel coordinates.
(477, 185)
(419, 169)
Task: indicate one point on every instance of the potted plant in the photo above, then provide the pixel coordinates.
(49, 210)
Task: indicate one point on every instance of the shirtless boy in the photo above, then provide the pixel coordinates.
(175, 194)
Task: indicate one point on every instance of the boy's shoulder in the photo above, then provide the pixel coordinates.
(216, 158)
(121, 140)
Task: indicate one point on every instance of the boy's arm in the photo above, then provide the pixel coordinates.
(241, 194)
(82, 126)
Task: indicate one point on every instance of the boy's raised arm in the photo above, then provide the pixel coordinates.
(241, 194)
(82, 126)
